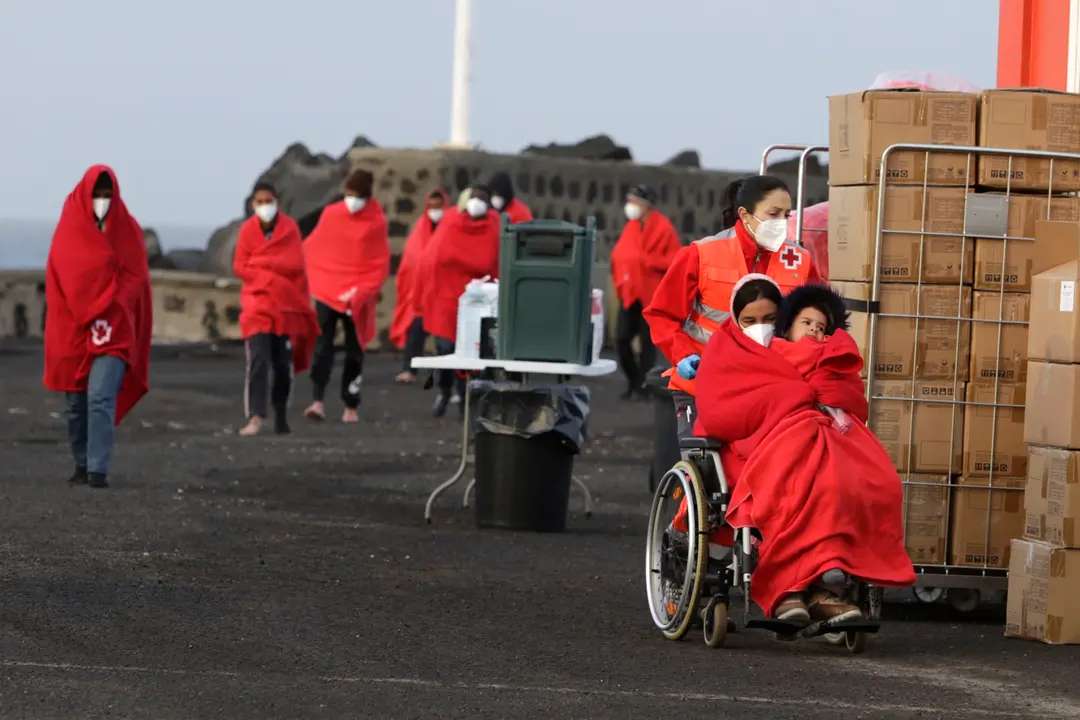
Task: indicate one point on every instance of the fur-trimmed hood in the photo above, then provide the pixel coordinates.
(812, 295)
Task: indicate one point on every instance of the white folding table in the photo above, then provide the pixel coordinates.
(524, 367)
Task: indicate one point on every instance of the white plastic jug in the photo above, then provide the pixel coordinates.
(597, 323)
(474, 305)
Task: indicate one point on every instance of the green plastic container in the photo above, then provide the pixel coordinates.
(545, 291)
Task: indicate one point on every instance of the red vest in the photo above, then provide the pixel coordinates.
(721, 264)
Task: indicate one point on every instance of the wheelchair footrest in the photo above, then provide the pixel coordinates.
(788, 629)
(780, 627)
(864, 626)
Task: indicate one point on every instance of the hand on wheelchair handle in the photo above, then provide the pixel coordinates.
(687, 367)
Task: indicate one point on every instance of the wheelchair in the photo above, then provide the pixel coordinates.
(690, 581)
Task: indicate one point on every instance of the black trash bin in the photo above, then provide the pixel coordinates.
(665, 425)
(526, 440)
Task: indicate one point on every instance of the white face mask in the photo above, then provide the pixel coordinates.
(266, 212)
(770, 234)
(354, 204)
(101, 206)
(762, 333)
(434, 215)
(476, 208)
(632, 211)
(498, 202)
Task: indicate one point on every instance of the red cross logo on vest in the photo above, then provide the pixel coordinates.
(790, 257)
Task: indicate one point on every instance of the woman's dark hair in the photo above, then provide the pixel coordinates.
(747, 192)
(753, 291)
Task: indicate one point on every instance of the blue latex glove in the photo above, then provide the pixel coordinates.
(687, 367)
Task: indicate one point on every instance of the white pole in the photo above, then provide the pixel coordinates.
(459, 98)
(1073, 81)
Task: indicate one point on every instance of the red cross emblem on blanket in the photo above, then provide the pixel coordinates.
(790, 257)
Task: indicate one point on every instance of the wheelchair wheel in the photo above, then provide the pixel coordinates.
(855, 642)
(716, 623)
(675, 566)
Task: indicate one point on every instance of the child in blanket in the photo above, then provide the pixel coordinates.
(815, 312)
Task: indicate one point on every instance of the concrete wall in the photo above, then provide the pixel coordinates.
(565, 189)
(188, 307)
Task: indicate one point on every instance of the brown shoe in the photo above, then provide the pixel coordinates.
(826, 607)
(792, 609)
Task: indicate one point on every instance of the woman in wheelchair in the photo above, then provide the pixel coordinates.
(805, 470)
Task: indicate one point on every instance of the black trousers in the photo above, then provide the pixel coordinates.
(448, 380)
(628, 325)
(322, 364)
(267, 356)
(414, 343)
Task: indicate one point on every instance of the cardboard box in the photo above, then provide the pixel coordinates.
(1007, 361)
(1053, 405)
(1029, 119)
(932, 353)
(915, 432)
(926, 518)
(862, 125)
(975, 501)
(853, 235)
(1054, 329)
(1052, 497)
(1044, 582)
(1024, 213)
(994, 436)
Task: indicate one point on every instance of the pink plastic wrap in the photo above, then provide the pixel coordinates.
(924, 80)
(815, 235)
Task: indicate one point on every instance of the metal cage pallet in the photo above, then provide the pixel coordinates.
(985, 216)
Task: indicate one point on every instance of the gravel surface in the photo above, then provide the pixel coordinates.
(294, 577)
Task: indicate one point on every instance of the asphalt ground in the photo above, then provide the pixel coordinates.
(295, 577)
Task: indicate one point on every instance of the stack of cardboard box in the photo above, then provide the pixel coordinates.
(936, 233)
(911, 358)
(1044, 572)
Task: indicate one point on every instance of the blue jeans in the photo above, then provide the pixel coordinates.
(91, 415)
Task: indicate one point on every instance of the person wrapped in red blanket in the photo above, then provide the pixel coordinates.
(825, 497)
(464, 248)
(99, 318)
(407, 324)
(277, 321)
(348, 259)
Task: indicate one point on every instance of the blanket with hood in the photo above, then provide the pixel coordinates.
(97, 294)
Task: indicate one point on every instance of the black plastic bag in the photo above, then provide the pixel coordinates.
(532, 411)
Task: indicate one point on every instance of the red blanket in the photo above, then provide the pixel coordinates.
(462, 249)
(821, 500)
(97, 294)
(641, 256)
(407, 280)
(274, 298)
(348, 259)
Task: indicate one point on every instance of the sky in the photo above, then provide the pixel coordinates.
(189, 101)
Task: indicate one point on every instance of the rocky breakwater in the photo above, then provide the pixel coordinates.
(568, 182)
